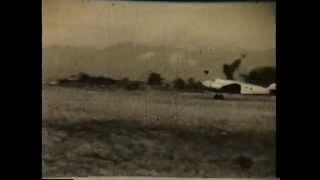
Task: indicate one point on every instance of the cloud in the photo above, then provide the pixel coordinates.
(179, 58)
(175, 58)
(192, 62)
(101, 24)
(147, 55)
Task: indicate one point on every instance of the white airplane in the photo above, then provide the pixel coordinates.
(236, 87)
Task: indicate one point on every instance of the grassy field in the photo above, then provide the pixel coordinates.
(156, 133)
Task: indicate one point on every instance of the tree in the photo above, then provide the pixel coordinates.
(83, 76)
(262, 76)
(200, 86)
(192, 83)
(155, 79)
(124, 81)
(179, 83)
(229, 69)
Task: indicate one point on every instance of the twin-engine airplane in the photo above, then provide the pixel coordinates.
(236, 87)
(221, 86)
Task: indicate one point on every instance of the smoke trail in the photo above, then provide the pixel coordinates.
(229, 69)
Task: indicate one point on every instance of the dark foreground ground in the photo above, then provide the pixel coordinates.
(112, 148)
(88, 133)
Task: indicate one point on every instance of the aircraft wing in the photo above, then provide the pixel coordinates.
(216, 84)
(235, 87)
(220, 85)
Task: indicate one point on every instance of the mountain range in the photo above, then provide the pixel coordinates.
(136, 61)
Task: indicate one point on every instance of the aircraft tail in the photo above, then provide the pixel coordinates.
(272, 88)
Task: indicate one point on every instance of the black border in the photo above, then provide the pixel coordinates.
(25, 73)
(34, 94)
(280, 68)
(200, 1)
(28, 161)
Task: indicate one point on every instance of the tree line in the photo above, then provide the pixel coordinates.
(263, 76)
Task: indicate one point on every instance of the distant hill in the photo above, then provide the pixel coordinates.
(136, 61)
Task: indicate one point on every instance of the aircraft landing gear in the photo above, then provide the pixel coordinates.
(218, 96)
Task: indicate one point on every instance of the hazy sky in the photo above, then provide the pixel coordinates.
(100, 23)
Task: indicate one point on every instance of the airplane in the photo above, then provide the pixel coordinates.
(221, 86)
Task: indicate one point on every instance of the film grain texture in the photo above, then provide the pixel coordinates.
(160, 89)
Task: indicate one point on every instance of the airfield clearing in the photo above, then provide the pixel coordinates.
(154, 133)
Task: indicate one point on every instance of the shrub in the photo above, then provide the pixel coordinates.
(179, 84)
(155, 79)
(262, 76)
